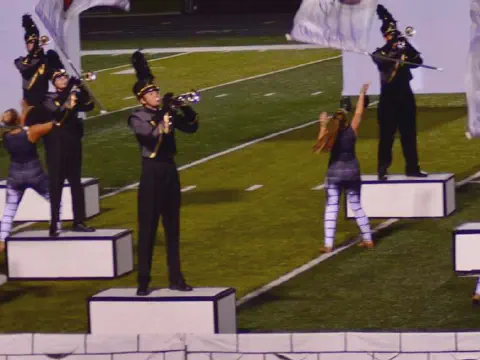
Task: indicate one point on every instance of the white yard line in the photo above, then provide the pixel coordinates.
(373, 103)
(188, 188)
(269, 94)
(216, 155)
(203, 49)
(283, 279)
(234, 82)
(254, 187)
(221, 95)
(151, 60)
(317, 93)
(319, 187)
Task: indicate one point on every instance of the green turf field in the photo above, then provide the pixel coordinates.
(246, 239)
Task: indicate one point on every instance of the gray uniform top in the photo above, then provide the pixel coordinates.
(343, 166)
(144, 121)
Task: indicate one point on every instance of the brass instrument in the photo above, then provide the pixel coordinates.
(410, 31)
(44, 40)
(89, 76)
(189, 97)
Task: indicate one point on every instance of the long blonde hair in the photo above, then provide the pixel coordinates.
(329, 130)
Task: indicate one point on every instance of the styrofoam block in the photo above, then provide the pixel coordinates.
(427, 342)
(175, 355)
(397, 356)
(254, 343)
(468, 341)
(373, 342)
(71, 357)
(139, 356)
(198, 356)
(291, 356)
(455, 356)
(59, 344)
(105, 344)
(13, 344)
(226, 356)
(161, 342)
(320, 342)
(252, 357)
(211, 343)
(345, 356)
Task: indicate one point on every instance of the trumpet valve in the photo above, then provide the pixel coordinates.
(44, 40)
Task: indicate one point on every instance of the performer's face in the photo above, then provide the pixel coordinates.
(151, 99)
(30, 46)
(61, 82)
(10, 117)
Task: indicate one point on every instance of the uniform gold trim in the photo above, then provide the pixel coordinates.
(148, 87)
(40, 71)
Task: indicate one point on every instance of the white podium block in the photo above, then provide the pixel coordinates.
(407, 197)
(466, 249)
(103, 254)
(201, 311)
(35, 208)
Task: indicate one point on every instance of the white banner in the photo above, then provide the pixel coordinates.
(443, 36)
(57, 15)
(340, 24)
(473, 72)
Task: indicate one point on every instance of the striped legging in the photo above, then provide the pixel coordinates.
(331, 213)
(14, 196)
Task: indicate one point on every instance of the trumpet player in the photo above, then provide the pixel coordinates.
(64, 144)
(154, 126)
(397, 108)
(33, 68)
(25, 170)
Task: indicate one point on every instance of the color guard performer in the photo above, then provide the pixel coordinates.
(63, 144)
(159, 190)
(338, 137)
(25, 170)
(396, 108)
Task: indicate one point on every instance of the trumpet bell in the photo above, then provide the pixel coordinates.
(410, 31)
(44, 40)
(89, 76)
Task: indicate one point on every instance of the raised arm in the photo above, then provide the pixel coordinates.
(35, 132)
(188, 121)
(357, 117)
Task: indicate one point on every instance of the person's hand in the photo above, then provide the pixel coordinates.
(323, 118)
(73, 101)
(364, 88)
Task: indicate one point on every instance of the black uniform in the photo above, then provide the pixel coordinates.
(35, 77)
(64, 152)
(397, 108)
(159, 190)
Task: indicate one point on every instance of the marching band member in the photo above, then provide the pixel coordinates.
(159, 190)
(396, 108)
(476, 294)
(25, 169)
(63, 144)
(33, 68)
(338, 137)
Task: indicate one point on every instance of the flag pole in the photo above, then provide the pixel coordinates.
(77, 73)
(290, 38)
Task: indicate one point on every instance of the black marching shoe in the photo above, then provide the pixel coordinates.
(180, 286)
(418, 174)
(382, 176)
(82, 227)
(53, 233)
(143, 290)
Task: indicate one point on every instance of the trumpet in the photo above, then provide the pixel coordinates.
(44, 40)
(190, 97)
(410, 31)
(89, 76)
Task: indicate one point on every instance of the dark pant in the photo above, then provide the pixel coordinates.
(64, 162)
(159, 195)
(397, 112)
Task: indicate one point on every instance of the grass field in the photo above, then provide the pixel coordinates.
(231, 237)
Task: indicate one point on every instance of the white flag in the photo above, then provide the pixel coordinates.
(473, 72)
(339, 24)
(56, 15)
